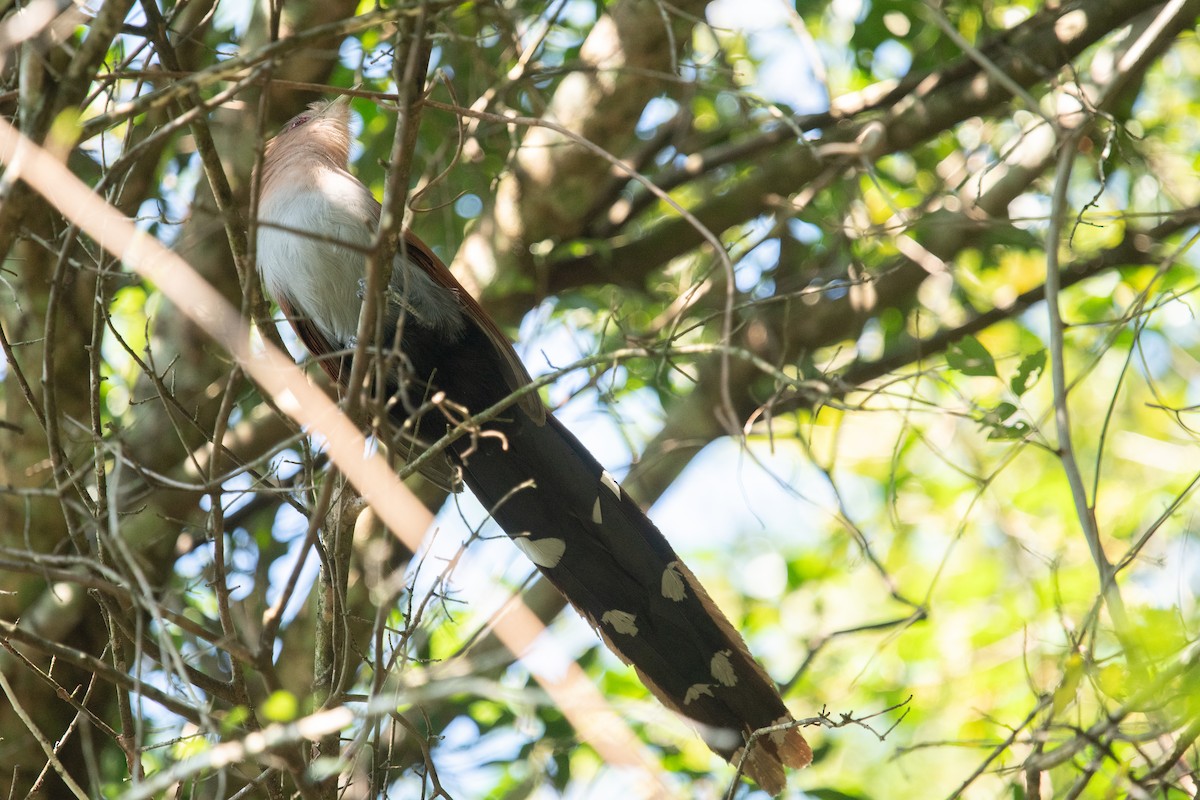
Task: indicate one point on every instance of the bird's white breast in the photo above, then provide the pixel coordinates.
(311, 242)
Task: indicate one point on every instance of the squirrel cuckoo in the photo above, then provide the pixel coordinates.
(559, 506)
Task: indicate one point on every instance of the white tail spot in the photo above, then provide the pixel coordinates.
(722, 668)
(779, 738)
(543, 552)
(621, 622)
(696, 690)
(672, 582)
(597, 517)
(611, 483)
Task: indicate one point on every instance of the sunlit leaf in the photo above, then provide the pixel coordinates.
(970, 357)
(1028, 373)
(281, 706)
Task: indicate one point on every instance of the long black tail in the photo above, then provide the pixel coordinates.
(597, 547)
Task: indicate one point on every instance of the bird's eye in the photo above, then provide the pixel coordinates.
(298, 121)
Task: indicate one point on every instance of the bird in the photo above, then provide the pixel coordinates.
(446, 359)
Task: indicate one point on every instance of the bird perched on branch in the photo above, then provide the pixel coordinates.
(446, 359)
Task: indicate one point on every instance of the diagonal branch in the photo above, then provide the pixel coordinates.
(1028, 54)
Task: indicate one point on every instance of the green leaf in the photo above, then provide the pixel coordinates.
(234, 719)
(832, 794)
(188, 746)
(281, 706)
(970, 357)
(997, 417)
(1001, 412)
(1009, 433)
(1028, 373)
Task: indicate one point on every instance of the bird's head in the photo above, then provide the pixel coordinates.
(323, 129)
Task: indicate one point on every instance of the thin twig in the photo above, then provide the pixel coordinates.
(1062, 417)
(42, 741)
